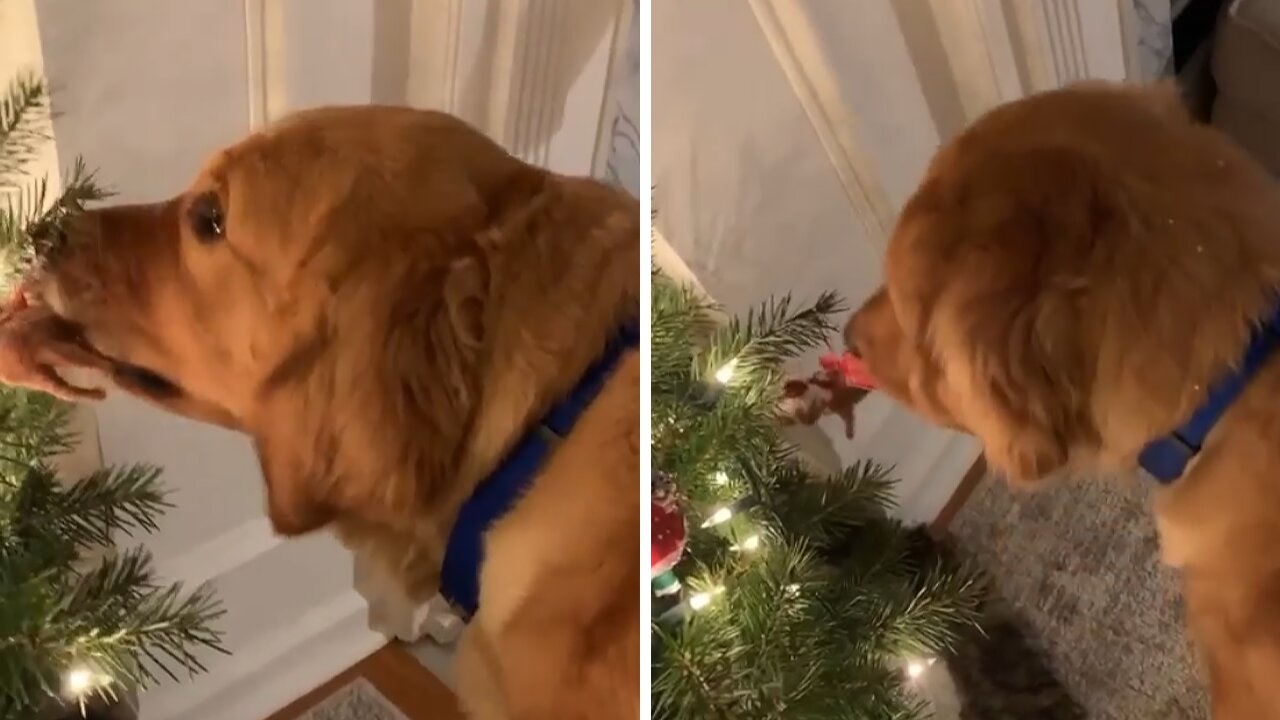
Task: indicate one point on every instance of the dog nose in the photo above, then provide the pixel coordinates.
(49, 292)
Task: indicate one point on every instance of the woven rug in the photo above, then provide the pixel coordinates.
(1079, 563)
(357, 700)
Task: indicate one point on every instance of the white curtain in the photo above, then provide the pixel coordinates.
(622, 166)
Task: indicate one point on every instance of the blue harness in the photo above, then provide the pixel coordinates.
(1167, 457)
(464, 552)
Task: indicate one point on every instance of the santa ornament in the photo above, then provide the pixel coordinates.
(840, 383)
(668, 536)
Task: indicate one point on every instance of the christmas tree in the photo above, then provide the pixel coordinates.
(80, 620)
(779, 594)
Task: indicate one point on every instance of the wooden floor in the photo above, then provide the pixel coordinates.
(398, 676)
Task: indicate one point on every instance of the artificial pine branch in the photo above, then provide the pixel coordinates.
(23, 128)
(827, 511)
(812, 620)
(58, 607)
(33, 227)
(109, 501)
(157, 621)
(33, 425)
(772, 333)
(679, 321)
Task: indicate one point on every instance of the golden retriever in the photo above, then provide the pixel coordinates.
(1073, 275)
(385, 301)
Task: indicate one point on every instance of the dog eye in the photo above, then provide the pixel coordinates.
(205, 215)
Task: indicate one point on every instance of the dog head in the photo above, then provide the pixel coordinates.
(335, 287)
(1073, 272)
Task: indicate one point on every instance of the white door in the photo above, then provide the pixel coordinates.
(146, 89)
(787, 133)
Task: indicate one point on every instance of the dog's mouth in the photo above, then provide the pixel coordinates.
(130, 376)
(144, 380)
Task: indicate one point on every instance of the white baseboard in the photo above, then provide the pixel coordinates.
(265, 677)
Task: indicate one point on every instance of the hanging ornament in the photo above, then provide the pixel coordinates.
(840, 383)
(668, 535)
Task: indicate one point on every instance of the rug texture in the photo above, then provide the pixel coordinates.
(1079, 564)
(357, 700)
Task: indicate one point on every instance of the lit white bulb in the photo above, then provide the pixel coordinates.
(749, 545)
(916, 668)
(703, 599)
(725, 373)
(793, 590)
(78, 680)
(719, 516)
(722, 478)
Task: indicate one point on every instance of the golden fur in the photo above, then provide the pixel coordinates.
(1072, 274)
(393, 301)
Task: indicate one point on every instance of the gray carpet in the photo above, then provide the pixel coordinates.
(1079, 561)
(358, 700)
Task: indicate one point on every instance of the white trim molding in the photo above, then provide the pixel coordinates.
(531, 74)
(1002, 50)
(1065, 41)
(220, 554)
(975, 37)
(435, 33)
(264, 34)
(789, 32)
(319, 644)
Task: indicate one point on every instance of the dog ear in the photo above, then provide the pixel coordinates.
(1018, 404)
(1027, 455)
(466, 292)
(997, 260)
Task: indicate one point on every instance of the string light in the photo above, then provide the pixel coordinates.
(725, 373)
(916, 668)
(749, 545)
(80, 680)
(720, 516)
(704, 598)
(722, 478)
(793, 590)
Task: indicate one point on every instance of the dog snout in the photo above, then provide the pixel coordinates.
(112, 250)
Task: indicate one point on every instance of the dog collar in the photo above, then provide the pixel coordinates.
(496, 494)
(1167, 457)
